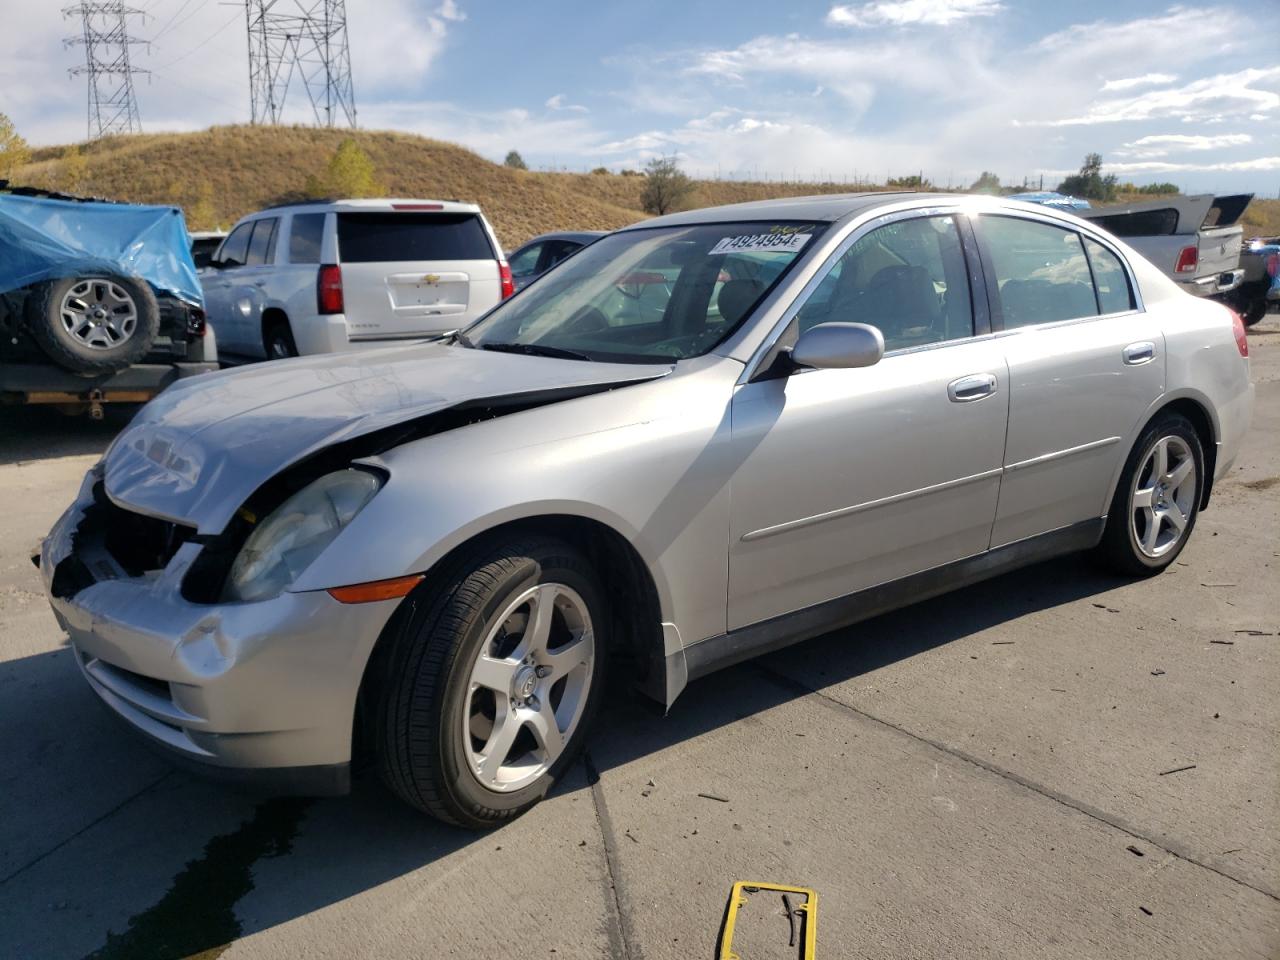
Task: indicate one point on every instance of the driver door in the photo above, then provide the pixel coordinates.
(853, 478)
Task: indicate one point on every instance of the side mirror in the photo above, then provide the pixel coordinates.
(839, 346)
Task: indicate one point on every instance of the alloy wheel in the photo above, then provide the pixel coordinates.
(1163, 496)
(98, 313)
(528, 687)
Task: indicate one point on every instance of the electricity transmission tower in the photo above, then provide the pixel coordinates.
(113, 108)
(307, 38)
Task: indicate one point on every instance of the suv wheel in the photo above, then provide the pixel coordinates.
(94, 325)
(492, 679)
(278, 341)
(1157, 500)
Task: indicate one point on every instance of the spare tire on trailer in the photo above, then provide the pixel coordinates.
(94, 324)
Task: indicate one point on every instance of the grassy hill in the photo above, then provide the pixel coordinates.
(220, 174)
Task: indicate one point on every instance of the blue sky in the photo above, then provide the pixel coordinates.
(748, 88)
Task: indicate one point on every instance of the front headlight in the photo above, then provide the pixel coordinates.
(296, 532)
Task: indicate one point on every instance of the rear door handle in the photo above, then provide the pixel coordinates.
(1137, 353)
(970, 388)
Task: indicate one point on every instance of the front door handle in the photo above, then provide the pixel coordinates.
(1138, 353)
(974, 387)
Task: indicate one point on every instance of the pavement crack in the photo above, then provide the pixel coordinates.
(622, 940)
(1094, 813)
(88, 826)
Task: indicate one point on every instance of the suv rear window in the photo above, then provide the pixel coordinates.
(401, 237)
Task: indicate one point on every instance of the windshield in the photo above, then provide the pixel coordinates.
(667, 293)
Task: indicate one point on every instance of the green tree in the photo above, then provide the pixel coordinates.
(915, 181)
(515, 161)
(1089, 182)
(350, 174)
(987, 183)
(13, 149)
(666, 188)
(73, 171)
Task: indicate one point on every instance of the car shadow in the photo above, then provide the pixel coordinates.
(359, 842)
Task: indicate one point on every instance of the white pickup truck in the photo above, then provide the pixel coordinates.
(1196, 240)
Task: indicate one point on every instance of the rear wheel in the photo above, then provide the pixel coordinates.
(1254, 311)
(491, 681)
(1157, 500)
(277, 340)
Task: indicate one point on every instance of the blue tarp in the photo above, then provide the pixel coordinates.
(1047, 198)
(42, 239)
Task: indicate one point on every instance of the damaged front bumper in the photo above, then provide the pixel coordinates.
(262, 692)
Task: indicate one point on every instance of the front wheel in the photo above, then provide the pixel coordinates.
(491, 680)
(1157, 500)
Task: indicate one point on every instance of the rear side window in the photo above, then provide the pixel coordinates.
(1109, 278)
(305, 238)
(236, 247)
(1041, 272)
(401, 237)
(262, 244)
(525, 262)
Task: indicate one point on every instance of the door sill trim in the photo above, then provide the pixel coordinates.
(714, 653)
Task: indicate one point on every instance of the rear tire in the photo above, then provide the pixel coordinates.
(1254, 311)
(1157, 500)
(94, 325)
(278, 341)
(472, 681)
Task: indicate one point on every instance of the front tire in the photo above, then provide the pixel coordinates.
(491, 680)
(1157, 500)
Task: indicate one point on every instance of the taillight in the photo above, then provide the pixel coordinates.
(1188, 260)
(329, 289)
(504, 277)
(1273, 265)
(1242, 339)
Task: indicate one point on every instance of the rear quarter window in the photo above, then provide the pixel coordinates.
(305, 236)
(405, 237)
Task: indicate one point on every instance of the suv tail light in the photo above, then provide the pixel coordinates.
(1242, 339)
(504, 277)
(1188, 260)
(329, 289)
(195, 323)
(1273, 265)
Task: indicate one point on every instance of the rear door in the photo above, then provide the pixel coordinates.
(407, 274)
(1085, 364)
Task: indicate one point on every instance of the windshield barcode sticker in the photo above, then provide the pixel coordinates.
(763, 242)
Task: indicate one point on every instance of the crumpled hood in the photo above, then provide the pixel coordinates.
(198, 451)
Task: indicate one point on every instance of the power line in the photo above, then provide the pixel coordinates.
(306, 39)
(104, 34)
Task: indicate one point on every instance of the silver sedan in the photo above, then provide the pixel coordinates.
(701, 438)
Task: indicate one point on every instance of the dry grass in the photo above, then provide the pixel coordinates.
(220, 174)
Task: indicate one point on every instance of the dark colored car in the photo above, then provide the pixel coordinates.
(542, 253)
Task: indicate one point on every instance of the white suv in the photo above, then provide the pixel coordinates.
(341, 274)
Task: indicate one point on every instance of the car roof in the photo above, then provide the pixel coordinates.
(381, 204)
(824, 207)
(581, 235)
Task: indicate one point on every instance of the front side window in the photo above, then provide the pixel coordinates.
(262, 243)
(907, 278)
(305, 236)
(525, 261)
(1040, 270)
(236, 247)
(659, 294)
(1110, 279)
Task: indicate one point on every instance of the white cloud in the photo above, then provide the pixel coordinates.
(1146, 80)
(901, 13)
(558, 102)
(1160, 145)
(1210, 99)
(449, 10)
(1257, 164)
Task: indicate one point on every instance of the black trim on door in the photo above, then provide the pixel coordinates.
(979, 295)
(714, 653)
